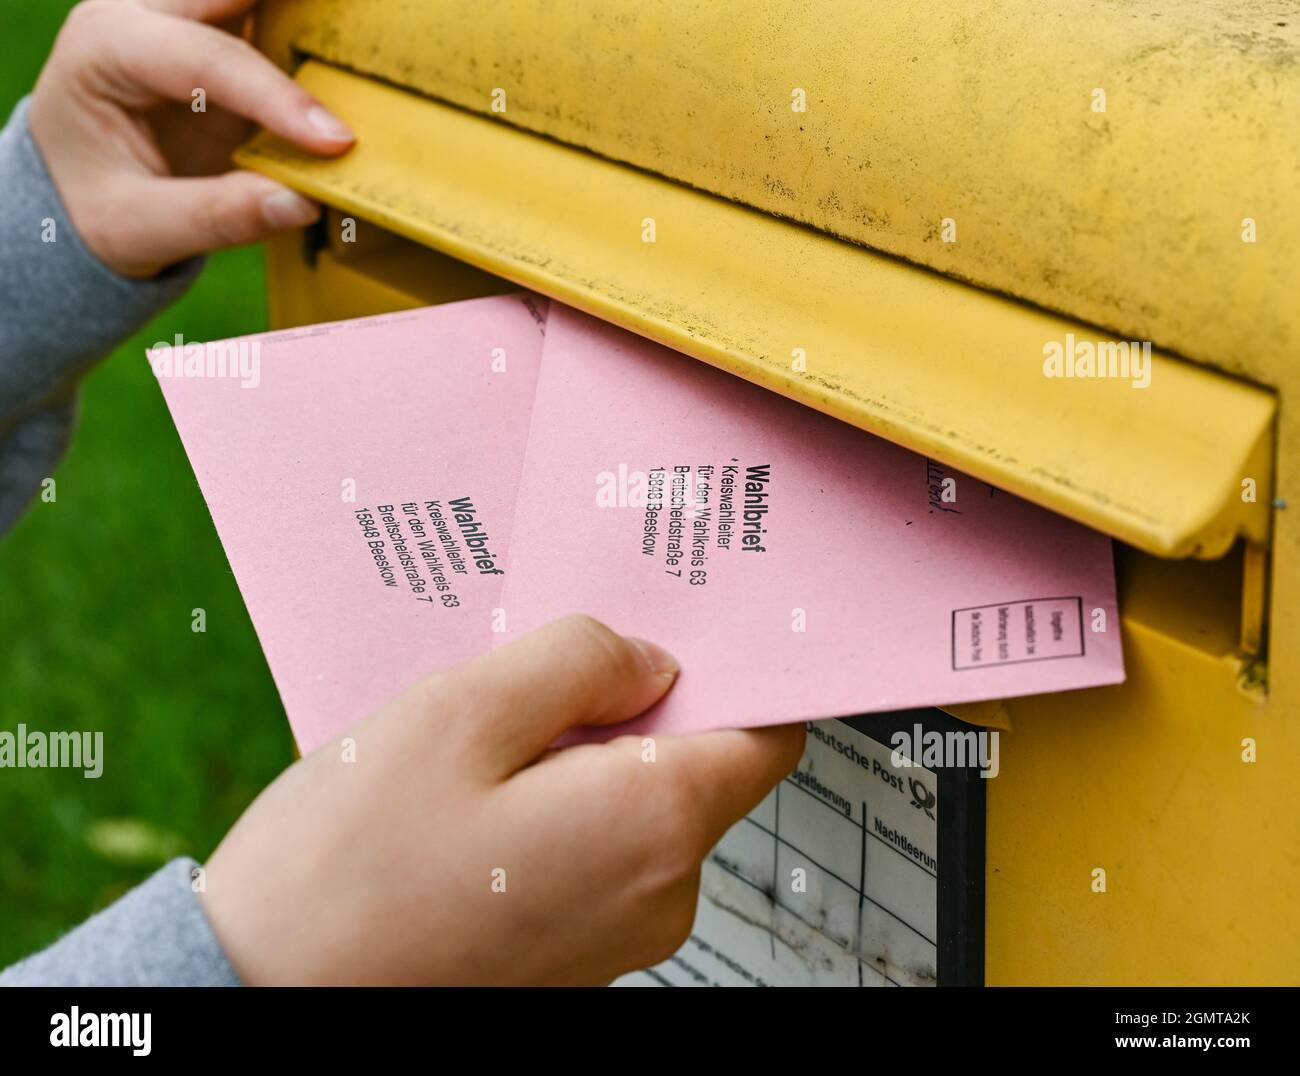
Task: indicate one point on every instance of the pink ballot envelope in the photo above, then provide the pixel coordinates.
(362, 476)
(797, 567)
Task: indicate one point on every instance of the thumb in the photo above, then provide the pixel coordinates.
(175, 219)
(728, 771)
(574, 671)
(695, 787)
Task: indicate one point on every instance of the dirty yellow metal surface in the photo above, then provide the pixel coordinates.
(1146, 782)
(964, 386)
(1126, 219)
(983, 113)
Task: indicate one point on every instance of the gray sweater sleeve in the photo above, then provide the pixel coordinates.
(156, 935)
(63, 309)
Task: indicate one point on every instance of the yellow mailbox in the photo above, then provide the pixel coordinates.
(916, 199)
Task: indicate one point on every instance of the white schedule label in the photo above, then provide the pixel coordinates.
(830, 881)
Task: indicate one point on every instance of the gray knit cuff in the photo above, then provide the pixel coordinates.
(156, 935)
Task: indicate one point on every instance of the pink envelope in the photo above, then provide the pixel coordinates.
(414, 412)
(797, 567)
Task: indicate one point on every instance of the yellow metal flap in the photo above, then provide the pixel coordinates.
(1177, 468)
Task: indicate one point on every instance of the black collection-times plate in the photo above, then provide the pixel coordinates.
(960, 833)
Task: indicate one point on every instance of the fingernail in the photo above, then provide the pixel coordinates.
(329, 125)
(660, 661)
(288, 209)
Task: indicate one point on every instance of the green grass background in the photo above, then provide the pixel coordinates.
(96, 595)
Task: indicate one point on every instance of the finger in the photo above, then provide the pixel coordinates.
(199, 10)
(574, 671)
(172, 58)
(724, 775)
(174, 219)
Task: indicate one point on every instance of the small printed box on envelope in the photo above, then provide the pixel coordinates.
(1035, 629)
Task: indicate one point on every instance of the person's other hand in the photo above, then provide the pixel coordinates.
(459, 848)
(145, 177)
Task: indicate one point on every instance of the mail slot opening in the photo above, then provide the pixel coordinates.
(1203, 604)
(350, 267)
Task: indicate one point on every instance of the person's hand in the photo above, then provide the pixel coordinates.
(459, 848)
(143, 174)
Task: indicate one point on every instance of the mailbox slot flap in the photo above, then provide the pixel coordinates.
(1176, 460)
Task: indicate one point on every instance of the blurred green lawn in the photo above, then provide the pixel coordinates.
(96, 595)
